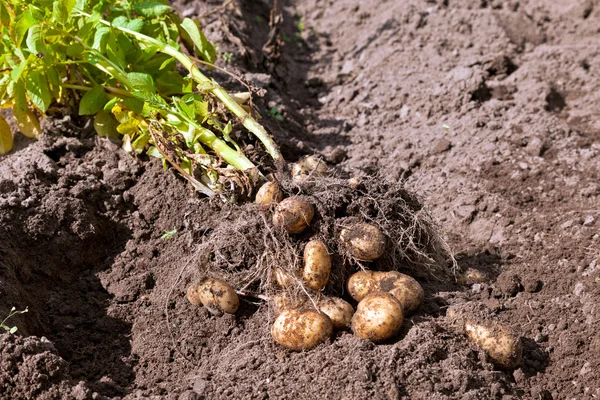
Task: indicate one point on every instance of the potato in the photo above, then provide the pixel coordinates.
(471, 276)
(293, 215)
(217, 296)
(502, 345)
(283, 278)
(404, 288)
(361, 283)
(309, 166)
(269, 193)
(284, 301)
(339, 311)
(301, 329)
(365, 242)
(192, 294)
(317, 265)
(378, 317)
(354, 183)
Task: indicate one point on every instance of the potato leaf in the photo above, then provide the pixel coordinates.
(93, 101)
(28, 123)
(202, 47)
(61, 10)
(142, 82)
(35, 40)
(23, 24)
(6, 138)
(105, 124)
(37, 88)
(151, 9)
(5, 16)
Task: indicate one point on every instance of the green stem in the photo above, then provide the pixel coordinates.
(246, 119)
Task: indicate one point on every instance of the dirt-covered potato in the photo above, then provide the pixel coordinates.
(284, 278)
(471, 276)
(317, 265)
(217, 296)
(378, 317)
(502, 345)
(300, 329)
(293, 215)
(285, 301)
(192, 294)
(404, 288)
(339, 311)
(361, 283)
(269, 193)
(364, 242)
(309, 166)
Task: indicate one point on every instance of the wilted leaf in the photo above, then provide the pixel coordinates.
(6, 137)
(93, 101)
(28, 123)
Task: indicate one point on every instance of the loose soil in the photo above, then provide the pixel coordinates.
(488, 110)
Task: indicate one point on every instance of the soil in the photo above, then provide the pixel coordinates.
(488, 110)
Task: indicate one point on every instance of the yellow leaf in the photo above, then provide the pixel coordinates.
(6, 138)
(28, 123)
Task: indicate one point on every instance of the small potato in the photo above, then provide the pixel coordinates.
(404, 288)
(217, 296)
(283, 278)
(317, 265)
(354, 183)
(269, 193)
(339, 311)
(293, 215)
(502, 345)
(301, 330)
(192, 294)
(378, 317)
(471, 276)
(309, 166)
(365, 242)
(361, 283)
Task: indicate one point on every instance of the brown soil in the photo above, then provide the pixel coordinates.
(487, 109)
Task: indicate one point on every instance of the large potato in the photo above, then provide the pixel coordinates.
(502, 345)
(361, 283)
(339, 311)
(317, 265)
(285, 301)
(378, 317)
(301, 330)
(216, 295)
(404, 288)
(309, 166)
(269, 193)
(364, 242)
(293, 215)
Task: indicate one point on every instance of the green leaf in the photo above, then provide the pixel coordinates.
(135, 105)
(6, 137)
(153, 152)
(100, 38)
(61, 11)
(151, 9)
(93, 101)
(141, 81)
(170, 83)
(23, 24)
(38, 90)
(168, 234)
(4, 15)
(105, 124)
(135, 25)
(35, 40)
(75, 50)
(140, 143)
(202, 47)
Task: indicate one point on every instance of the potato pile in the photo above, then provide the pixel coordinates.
(325, 251)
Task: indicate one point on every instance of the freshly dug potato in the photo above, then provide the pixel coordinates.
(502, 345)
(317, 265)
(378, 317)
(404, 288)
(293, 215)
(309, 166)
(217, 296)
(301, 330)
(284, 301)
(339, 311)
(471, 276)
(361, 283)
(269, 193)
(365, 242)
(283, 278)
(192, 294)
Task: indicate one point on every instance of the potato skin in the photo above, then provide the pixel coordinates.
(364, 241)
(339, 311)
(471, 276)
(301, 330)
(361, 283)
(404, 288)
(378, 317)
(293, 215)
(309, 166)
(317, 265)
(268, 193)
(218, 296)
(192, 294)
(283, 278)
(502, 345)
(284, 301)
